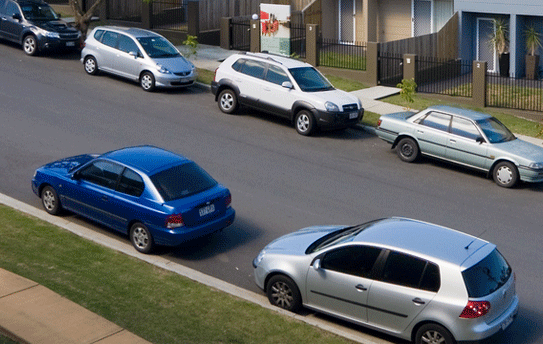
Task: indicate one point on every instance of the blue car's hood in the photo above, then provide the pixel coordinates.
(54, 26)
(175, 64)
(64, 166)
(299, 241)
(522, 149)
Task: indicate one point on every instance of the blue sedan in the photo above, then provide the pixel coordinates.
(472, 139)
(155, 196)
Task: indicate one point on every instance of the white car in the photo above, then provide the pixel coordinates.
(286, 87)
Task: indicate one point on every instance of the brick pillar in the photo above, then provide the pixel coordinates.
(479, 83)
(193, 18)
(226, 40)
(255, 36)
(312, 44)
(409, 61)
(372, 63)
(147, 14)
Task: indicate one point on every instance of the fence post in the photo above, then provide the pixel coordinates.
(193, 18)
(147, 14)
(479, 83)
(409, 66)
(312, 44)
(255, 36)
(226, 39)
(372, 63)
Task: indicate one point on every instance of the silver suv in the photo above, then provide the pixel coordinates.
(137, 54)
(286, 87)
(407, 278)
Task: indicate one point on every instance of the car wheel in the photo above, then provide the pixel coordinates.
(91, 66)
(505, 174)
(30, 45)
(228, 102)
(433, 334)
(283, 292)
(141, 238)
(147, 81)
(50, 201)
(407, 149)
(304, 122)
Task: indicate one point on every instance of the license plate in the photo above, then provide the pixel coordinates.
(507, 322)
(70, 44)
(353, 115)
(208, 209)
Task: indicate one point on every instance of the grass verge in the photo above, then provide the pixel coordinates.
(155, 304)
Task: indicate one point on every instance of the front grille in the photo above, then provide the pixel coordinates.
(68, 35)
(350, 107)
(182, 74)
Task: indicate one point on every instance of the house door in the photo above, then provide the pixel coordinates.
(346, 20)
(422, 17)
(485, 50)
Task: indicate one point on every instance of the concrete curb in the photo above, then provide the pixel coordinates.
(194, 275)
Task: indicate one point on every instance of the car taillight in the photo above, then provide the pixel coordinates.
(215, 75)
(475, 309)
(174, 221)
(379, 123)
(228, 200)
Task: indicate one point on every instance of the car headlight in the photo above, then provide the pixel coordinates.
(331, 107)
(48, 34)
(259, 258)
(162, 69)
(536, 165)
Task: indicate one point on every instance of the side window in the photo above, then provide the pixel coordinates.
(127, 45)
(110, 38)
(102, 173)
(253, 68)
(464, 128)
(437, 121)
(352, 260)
(98, 35)
(408, 271)
(276, 75)
(131, 183)
(11, 9)
(238, 64)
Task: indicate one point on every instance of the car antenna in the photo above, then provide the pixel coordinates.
(477, 237)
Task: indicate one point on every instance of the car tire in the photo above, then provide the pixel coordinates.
(407, 150)
(433, 333)
(147, 81)
(50, 200)
(283, 293)
(505, 174)
(141, 238)
(228, 101)
(30, 45)
(91, 66)
(304, 123)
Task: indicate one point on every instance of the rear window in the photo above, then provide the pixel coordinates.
(182, 181)
(487, 276)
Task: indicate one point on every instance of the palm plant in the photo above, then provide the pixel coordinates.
(500, 37)
(533, 40)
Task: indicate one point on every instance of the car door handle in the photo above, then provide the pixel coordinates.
(418, 301)
(104, 198)
(452, 141)
(420, 131)
(360, 287)
(267, 89)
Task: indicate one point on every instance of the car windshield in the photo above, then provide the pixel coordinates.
(310, 80)
(487, 276)
(38, 12)
(158, 47)
(495, 131)
(339, 236)
(182, 181)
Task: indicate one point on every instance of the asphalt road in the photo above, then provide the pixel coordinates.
(280, 181)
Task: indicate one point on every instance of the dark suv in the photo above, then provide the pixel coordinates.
(36, 26)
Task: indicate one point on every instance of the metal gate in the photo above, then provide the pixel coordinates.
(390, 69)
(240, 33)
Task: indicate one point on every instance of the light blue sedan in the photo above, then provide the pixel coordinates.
(469, 138)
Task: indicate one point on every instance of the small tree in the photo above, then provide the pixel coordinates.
(533, 40)
(500, 38)
(407, 91)
(192, 43)
(83, 19)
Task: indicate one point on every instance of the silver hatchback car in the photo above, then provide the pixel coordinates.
(411, 279)
(137, 54)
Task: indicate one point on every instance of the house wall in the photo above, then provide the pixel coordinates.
(394, 20)
(525, 7)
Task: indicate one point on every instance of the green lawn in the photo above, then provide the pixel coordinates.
(155, 304)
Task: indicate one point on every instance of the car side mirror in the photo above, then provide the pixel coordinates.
(133, 54)
(76, 175)
(480, 139)
(287, 84)
(17, 16)
(317, 264)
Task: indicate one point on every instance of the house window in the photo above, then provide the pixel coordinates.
(429, 16)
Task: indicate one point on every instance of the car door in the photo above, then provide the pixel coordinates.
(432, 133)
(126, 200)
(108, 51)
(11, 24)
(466, 144)
(249, 81)
(274, 97)
(338, 283)
(128, 58)
(405, 287)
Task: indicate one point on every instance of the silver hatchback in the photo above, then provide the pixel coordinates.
(411, 279)
(137, 54)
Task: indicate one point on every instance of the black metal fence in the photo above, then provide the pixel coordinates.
(514, 93)
(240, 32)
(169, 14)
(297, 35)
(444, 76)
(390, 69)
(338, 54)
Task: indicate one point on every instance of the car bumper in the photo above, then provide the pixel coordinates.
(337, 120)
(214, 88)
(46, 43)
(172, 80)
(530, 175)
(174, 237)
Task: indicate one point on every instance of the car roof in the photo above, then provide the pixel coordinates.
(278, 59)
(474, 115)
(147, 159)
(422, 238)
(132, 31)
(37, 2)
